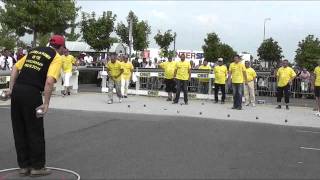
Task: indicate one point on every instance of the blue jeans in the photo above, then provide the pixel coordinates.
(237, 94)
(182, 85)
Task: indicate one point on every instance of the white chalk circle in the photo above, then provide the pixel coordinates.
(7, 176)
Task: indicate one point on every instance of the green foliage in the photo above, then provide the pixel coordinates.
(308, 52)
(73, 36)
(214, 49)
(164, 40)
(140, 32)
(41, 16)
(96, 32)
(270, 51)
(43, 39)
(8, 38)
(140, 35)
(226, 52)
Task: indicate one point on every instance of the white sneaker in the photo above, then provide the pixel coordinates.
(110, 102)
(253, 105)
(120, 100)
(317, 114)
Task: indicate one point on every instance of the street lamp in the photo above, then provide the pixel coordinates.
(264, 27)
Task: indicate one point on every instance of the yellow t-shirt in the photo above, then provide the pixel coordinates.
(183, 70)
(168, 68)
(127, 67)
(207, 67)
(54, 68)
(220, 74)
(114, 69)
(67, 62)
(251, 74)
(236, 70)
(317, 74)
(284, 75)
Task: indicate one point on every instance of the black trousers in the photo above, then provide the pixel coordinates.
(28, 130)
(182, 85)
(283, 90)
(222, 87)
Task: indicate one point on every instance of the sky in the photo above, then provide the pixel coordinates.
(237, 23)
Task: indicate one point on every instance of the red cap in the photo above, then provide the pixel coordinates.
(57, 40)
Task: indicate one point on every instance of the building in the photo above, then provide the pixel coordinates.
(75, 46)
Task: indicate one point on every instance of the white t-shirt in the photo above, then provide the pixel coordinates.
(150, 66)
(3, 63)
(88, 59)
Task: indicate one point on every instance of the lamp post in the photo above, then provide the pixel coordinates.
(264, 27)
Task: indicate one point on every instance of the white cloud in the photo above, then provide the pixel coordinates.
(159, 14)
(208, 20)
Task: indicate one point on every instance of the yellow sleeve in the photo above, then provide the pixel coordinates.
(243, 67)
(21, 62)
(293, 74)
(131, 66)
(55, 67)
(230, 67)
(254, 73)
(74, 60)
(189, 66)
(278, 74)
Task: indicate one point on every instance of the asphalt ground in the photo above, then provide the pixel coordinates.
(102, 145)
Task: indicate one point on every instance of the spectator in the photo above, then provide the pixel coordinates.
(204, 82)
(19, 54)
(285, 76)
(156, 63)
(305, 80)
(220, 74)
(144, 63)
(198, 66)
(135, 63)
(150, 65)
(192, 64)
(6, 61)
(169, 68)
(249, 91)
(182, 74)
(238, 73)
(88, 59)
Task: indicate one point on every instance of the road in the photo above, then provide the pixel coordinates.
(104, 145)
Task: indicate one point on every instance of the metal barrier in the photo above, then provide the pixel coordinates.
(58, 87)
(151, 82)
(267, 86)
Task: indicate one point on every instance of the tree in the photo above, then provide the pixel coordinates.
(140, 32)
(73, 36)
(226, 52)
(164, 40)
(43, 39)
(308, 52)
(8, 38)
(96, 32)
(41, 16)
(214, 49)
(141, 35)
(270, 51)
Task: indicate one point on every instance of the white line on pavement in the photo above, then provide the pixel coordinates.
(309, 148)
(304, 131)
